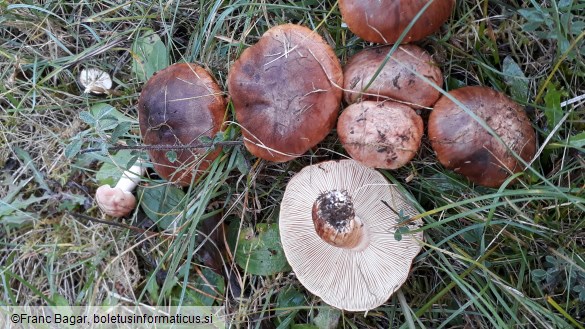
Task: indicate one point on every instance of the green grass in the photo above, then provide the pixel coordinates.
(508, 257)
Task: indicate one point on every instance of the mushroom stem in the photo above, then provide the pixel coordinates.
(131, 177)
(336, 222)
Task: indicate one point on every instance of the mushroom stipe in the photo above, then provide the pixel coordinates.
(335, 221)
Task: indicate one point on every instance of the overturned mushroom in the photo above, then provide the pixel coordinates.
(95, 81)
(464, 146)
(338, 221)
(178, 106)
(119, 201)
(286, 90)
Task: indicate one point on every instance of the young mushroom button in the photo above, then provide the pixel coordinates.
(337, 224)
(119, 201)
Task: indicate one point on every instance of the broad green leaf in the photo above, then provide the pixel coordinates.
(328, 318)
(171, 156)
(100, 110)
(241, 162)
(303, 326)
(111, 171)
(162, 204)
(149, 55)
(205, 290)
(533, 15)
(107, 123)
(552, 111)
(565, 4)
(87, 118)
(288, 298)
(121, 129)
(259, 252)
(515, 79)
(577, 27)
(74, 146)
(577, 141)
(18, 220)
(538, 274)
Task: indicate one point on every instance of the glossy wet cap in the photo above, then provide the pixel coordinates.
(384, 135)
(463, 145)
(178, 106)
(384, 21)
(406, 77)
(286, 90)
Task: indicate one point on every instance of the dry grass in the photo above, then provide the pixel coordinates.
(485, 248)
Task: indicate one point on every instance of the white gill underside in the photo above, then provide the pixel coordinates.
(350, 280)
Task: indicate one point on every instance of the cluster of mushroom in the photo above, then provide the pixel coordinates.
(383, 132)
(177, 106)
(287, 90)
(337, 218)
(329, 226)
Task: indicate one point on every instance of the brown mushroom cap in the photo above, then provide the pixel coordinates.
(286, 90)
(464, 146)
(359, 270)
(384, 21)
(381, 135)
(177, 106)
(399, 80)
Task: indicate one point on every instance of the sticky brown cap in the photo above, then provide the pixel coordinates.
(384, 135)
(177, 106)
(401, 78)
(286, 90)
(384, 21)
(464, 146)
